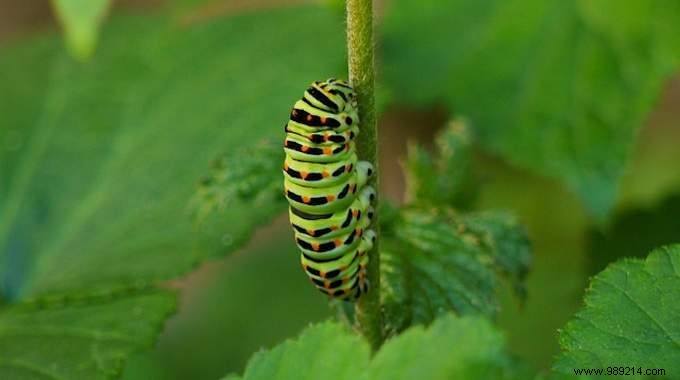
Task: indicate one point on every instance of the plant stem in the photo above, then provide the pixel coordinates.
(361, 73)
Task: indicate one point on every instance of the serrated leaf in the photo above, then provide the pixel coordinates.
(326, 350)
(83, 339)
(81, 20)
(451, 348)
(631, 317)
(446, 178)
(544, 88)
(109, 153)
(501, 233)
(437, 261)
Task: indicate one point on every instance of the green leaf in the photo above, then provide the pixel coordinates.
(436, 261)
(96, 191)
(545, 88)
(448, 178)
(99, 162)
(326, 350)
(501, 234)
(250, 174)
(630, 317)
(86, 339)
(639, 26)
(451, 348)
(81, 20)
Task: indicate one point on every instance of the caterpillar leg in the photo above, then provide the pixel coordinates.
(364, 172)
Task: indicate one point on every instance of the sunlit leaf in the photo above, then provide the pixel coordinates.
(451, 348)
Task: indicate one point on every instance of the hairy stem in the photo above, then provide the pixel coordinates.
(361, 73)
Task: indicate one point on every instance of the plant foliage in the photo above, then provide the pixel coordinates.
(331, 352)
(630, 317)
(562, 93)
(100, 161)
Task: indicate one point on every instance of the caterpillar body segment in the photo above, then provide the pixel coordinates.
(319, 136)
(325, 184)
(313, 174)
(335, 224)
(310, 152)
(334, 246)
(324, 200)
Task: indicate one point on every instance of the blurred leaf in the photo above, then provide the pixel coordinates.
(99, 160)
(548, 92)
(79, 340)
(228, 309)
(641, 31)
(325, 350)
(81, 20)
(98, 190)
(630, 317)
(434, 262)
(448, 178)
(250, 174)
(634, 232)
(451, 348)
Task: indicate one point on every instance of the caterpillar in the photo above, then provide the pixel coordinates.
(325, 185)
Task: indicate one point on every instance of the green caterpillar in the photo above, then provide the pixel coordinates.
(325, 184)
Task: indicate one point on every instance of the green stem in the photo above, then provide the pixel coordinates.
(361, 73)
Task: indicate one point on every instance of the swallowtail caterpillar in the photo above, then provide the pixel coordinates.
(325, 184)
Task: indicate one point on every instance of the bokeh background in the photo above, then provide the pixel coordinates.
(230, 308)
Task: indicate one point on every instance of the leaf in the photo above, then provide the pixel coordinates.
(326, 350)
(451, 348)
(96, 194)
(631, 317)
(639, 26)
(545, 89)
(85, 339)
(99, 161)
(448, 178)
(501, 234)
(249, 175)
(436, 261)
(81, 20)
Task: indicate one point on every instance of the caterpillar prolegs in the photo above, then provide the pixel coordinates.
(325, 184)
